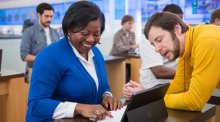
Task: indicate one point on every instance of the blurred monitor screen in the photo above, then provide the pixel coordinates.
(16, 16)
(195, 11)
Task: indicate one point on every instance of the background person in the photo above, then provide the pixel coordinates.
(37, 37)
(69, 76)
(215, 17)
(173, 8)
(124, 39)
(27, 23)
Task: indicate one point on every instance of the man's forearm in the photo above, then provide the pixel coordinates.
(162, 72)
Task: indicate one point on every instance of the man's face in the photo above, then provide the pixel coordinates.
(166, 43)
(216, 21)
(45, 18)
(128, 25)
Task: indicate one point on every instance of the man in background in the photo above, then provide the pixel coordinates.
(38, 36)
(156, 69)
(124, 39)
(27, 23)
(30, 21)
(173, 8)
(215, 17)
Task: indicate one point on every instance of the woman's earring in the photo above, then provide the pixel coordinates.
(68, 36)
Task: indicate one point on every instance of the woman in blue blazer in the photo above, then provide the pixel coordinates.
(69, 76)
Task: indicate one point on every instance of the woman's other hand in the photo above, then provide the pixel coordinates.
(111, 103)
(93, 112)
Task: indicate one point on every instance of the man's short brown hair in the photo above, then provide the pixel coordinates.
(166, 21)
(126, 18)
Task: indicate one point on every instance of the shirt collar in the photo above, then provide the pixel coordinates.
(188, 43)
(90, 53)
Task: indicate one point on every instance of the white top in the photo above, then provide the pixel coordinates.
(47, 32)
(151, 58)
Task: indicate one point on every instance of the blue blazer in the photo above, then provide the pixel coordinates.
(59, 76)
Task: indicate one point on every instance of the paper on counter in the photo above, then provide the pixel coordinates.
(117, 115)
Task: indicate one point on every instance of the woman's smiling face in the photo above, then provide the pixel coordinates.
(86, 38)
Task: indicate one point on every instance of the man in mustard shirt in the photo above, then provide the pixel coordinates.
(198, 70)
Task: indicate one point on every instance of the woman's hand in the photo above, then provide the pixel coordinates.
(93, 112)
(111, 103)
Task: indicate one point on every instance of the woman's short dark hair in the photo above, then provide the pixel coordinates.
(126, 18)
(80, 14)
(166, 21)
(43, 6)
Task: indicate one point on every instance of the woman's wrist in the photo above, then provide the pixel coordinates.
(78, 109)
(106, 95)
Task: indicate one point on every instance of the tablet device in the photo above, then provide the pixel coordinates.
(147, 105)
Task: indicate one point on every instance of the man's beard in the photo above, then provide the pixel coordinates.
(45, 24)
(176, 44)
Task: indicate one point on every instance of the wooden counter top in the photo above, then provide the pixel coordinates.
(173, 115)
(110, 59)
(7, 73)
